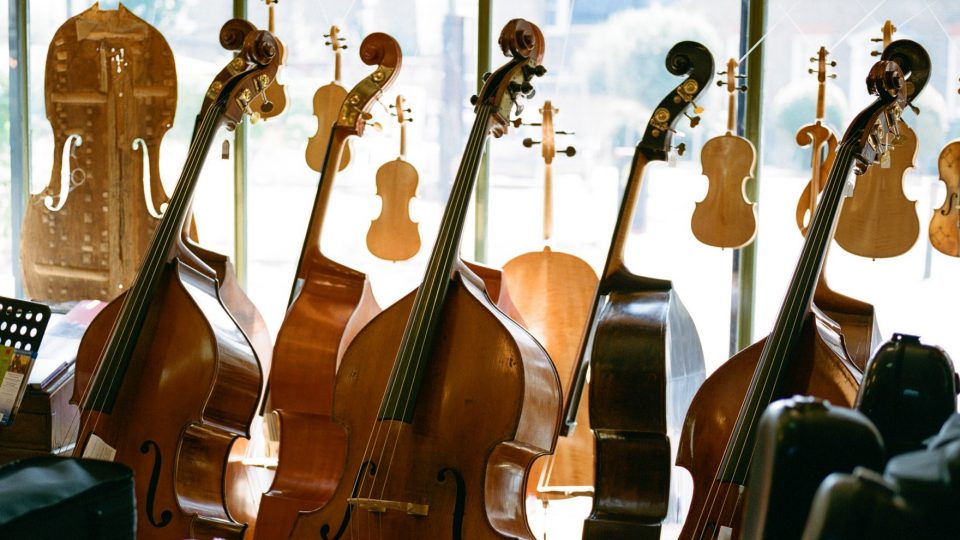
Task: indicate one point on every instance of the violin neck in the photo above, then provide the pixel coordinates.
(336, 66)
(411, 361)
(821, 98)
(731, 112)
(133, 312)
(547, 201)
(785, 339)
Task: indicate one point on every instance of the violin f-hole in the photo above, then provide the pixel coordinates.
(165, 516)
(140, 144)
(66, 174)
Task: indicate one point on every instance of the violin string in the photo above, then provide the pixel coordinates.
(767, 33)
(817, 230)
(447, 243)
(108, 362)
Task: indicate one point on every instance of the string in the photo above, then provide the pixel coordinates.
(857, 25)
(119, 346)
(767, 33)
(433, 291)
(818, 234)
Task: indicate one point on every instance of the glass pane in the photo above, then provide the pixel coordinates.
(904, 289)
(6, 242)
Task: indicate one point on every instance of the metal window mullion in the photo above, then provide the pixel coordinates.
(240, 181)
(482, 191)
(18, 23)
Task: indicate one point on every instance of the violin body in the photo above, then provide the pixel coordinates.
(945, 223)
(646, 365)
(191, 348)
(553, 292)
(470, 473)
(393, 235)
(725, 218)
(327, 101)
(84, 235)
(823, 143)
(820, 368)
(878, 220)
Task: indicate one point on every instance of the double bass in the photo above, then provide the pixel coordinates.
(167, 380)
(446, 401)
(725, 218)
(856, 318)
(552, 292)
(642, 349)
(804, 354)
(329, 303)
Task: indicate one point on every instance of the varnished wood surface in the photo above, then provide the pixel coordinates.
(192, 444)
(944, 229)
(553, 291)
(393, 236)
(879, 221)
(521, 382)
(823, 372)
(90, 244)
(725, 218)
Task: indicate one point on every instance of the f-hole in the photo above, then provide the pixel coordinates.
(67, 180)
(457, 531)
(166, 516)
(368, 467)
(140, 144)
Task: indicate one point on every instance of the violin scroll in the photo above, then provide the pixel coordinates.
(690, 59)
(377, 49)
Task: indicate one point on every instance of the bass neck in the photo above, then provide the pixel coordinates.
(787, 332)
(411, 360)
(162, 250)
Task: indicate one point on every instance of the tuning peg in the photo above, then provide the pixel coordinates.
(681, 148)
(528, 142)
(539, 71)
(811, 70)
(876, 39)
(721, 83)
(721, 73)
(474, 99)
(742, 88)
(485, 76)
(343, 46)
(875, 53)
(832, 76)
(814, 60)
(570, 151)
(564, 132)
(696, 108)
(739, 76)
(832, 63)
(375, 126)
(694, 120)
(914, 108)
(517, 122)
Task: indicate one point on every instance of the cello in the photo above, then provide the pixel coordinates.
(642, 349)
(725, 218)
(327, 102)
(110, 94)
(856, 318)
(329, 304)
(878, 220)
(804, 353)
(166, 379)
(552, 292)
(469, 400)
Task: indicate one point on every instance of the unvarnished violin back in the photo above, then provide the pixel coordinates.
(110, 95)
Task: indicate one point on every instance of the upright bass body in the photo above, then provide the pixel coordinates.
(179, 455)
(450, 462)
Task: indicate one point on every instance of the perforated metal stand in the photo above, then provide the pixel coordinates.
(22, 323)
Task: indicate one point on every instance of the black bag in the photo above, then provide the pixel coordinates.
(862, 506)
(800, 441)
(908, 391)
(48, 497)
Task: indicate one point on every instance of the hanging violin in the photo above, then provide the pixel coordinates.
(642, 349)
(166, 379)
(944, 230)
(110, 94)
(470, 399)
(329, 304)
(856, 318)
(552, 292)
(725, 218)
(327, 102)
(393, 235)
(804, 353)
(878, 220)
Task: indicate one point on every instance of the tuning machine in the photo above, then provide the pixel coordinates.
(694, 120)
